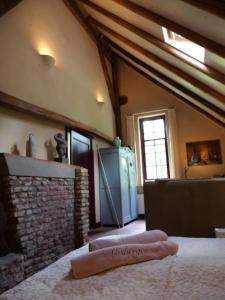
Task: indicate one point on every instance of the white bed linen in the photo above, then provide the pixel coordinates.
(197, 272)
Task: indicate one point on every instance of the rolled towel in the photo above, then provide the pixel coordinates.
(140, 238)
(111, 257)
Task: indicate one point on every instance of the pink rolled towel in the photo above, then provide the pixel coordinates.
(111, 257)
(140, 238)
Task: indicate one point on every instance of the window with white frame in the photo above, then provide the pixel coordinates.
(154, 149)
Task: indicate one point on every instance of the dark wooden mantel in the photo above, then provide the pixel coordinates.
(15, 165)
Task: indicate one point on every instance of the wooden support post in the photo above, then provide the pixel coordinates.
(113, 97)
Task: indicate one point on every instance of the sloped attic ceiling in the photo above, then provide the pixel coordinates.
(132, 29)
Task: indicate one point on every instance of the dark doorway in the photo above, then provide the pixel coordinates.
(81, 154)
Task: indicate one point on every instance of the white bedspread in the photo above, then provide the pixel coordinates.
(197, 272)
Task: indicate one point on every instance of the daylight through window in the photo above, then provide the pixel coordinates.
(183, 44)
(154, 147)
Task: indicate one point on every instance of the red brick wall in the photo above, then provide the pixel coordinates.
(46, 217)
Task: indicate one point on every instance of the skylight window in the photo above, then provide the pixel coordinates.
(186, 46)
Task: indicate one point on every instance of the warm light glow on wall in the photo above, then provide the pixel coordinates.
(47, 54)
(99, 98)
(43, 49)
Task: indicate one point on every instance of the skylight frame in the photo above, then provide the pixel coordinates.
(179, 42)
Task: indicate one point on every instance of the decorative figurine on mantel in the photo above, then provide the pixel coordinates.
(61, 148)
(117, 142)
(31, 146)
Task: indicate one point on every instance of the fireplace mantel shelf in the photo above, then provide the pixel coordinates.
(15, 165)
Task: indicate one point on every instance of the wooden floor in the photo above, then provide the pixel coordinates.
(132, 228)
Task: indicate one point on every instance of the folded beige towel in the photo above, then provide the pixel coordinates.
(111, 257)
(140, 238)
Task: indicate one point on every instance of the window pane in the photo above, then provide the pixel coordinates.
(149, 149)
(148, 128)
(162, 172)
(151, 173)
(155, 151)
(161, 158)
(149, 143)
(160, 142)
(148, 136)
(159, 131)
(150, 159)
(160, 148)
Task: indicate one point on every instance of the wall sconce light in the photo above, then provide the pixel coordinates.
(100, 100)
(48, 60)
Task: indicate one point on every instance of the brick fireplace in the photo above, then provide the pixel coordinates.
(44, 214)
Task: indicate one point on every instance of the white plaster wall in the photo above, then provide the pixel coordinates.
(73, 84)
(70, 88)
(141, 205)
(15, 128)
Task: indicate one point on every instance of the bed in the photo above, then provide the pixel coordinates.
(196, 272)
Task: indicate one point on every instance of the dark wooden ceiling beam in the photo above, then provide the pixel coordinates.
(6, 5)
(115, 62)
(19, 105)
(212, 73)
(162, 21)
(112, 94)
(115, 83)
(215, 7)
(112, 91)
(178, 96)
(115, 78)
(171, 68)
(107, 77)
(166, 79)
(123, 100)
(74, 9)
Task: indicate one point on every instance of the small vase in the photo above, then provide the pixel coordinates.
(31, 147)
(117, 142)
